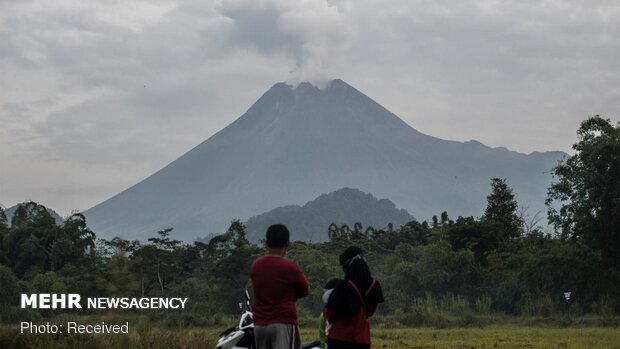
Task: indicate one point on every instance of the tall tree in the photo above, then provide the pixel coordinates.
(230, 257)
(4, 230)
(3, 221)
(444, 218)
(32, 233)
(333, 232)
(163, 255)
(587, 190)
(356, 233)
(502, 209)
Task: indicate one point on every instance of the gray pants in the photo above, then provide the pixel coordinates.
(277, 336)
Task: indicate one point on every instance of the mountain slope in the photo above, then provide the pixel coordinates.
(296, 143)
(344, 206)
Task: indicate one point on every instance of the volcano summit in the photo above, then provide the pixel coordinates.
(296, 143)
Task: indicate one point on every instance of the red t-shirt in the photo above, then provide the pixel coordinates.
(277, 284)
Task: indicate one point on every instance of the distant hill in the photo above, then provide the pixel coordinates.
(9, 212)
(297, 142)
(344, 206)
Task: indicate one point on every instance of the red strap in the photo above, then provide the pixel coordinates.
(357, 290)
(372, 284)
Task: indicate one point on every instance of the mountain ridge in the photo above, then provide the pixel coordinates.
(310, 221)
(295, 143)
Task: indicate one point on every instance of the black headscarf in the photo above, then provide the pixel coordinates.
(355, 268)
(344, 300)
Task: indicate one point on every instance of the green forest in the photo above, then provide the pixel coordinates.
(501, 262)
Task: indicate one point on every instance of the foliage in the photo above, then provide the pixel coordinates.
(588, 190)
(10, 286)
(502, 210)
(428, 272)
(480, 237)
(452, 267)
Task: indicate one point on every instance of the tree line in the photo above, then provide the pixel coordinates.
(502, 261)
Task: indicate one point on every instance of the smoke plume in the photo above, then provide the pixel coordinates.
(310, 31)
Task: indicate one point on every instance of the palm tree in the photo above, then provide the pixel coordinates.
(333, 232)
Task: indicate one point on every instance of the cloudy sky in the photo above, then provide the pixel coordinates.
(95, 95)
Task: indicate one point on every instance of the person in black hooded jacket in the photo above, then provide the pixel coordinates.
(352, 303)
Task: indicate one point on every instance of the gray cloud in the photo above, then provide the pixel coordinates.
(312, 31)
(494, 71)
(97, 95)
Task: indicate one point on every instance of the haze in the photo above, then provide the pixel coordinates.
(97, 95)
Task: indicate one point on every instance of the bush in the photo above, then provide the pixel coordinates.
(539, 306)
(483, 305)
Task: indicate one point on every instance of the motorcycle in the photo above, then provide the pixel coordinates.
(242, 335)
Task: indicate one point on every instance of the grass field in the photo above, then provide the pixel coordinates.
(498, 337)
(397, 338)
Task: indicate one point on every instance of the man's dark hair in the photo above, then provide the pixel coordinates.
(277, 236)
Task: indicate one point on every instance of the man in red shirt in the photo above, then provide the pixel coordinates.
(277, 284)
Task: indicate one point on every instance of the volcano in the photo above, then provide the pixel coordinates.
(298, 142)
